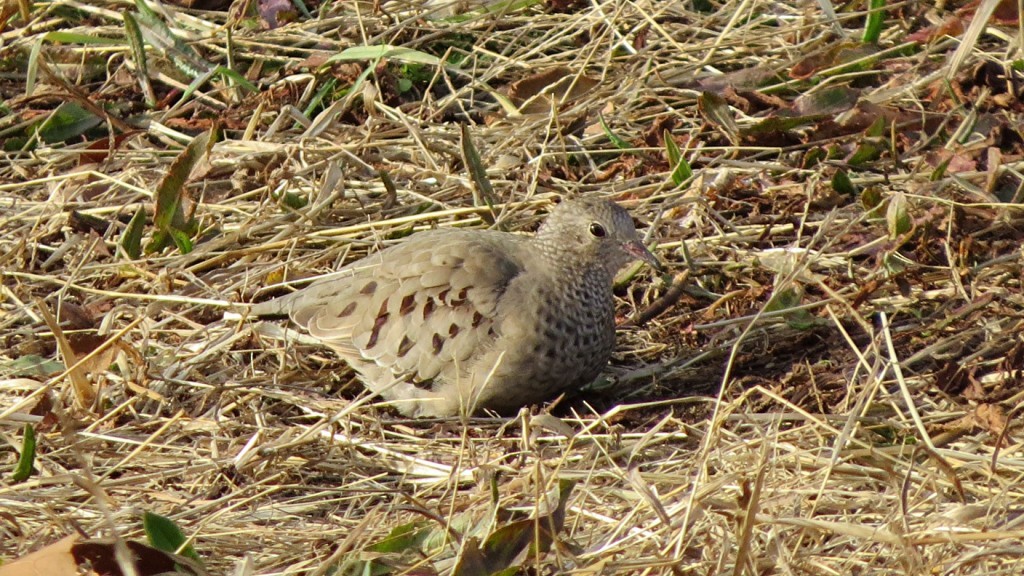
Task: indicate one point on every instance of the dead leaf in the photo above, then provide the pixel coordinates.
(52, 560)
(84, 391)
(992, 418)
(536, 93)
(84, 341)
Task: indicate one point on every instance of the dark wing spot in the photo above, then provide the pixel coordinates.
(405, 346)
(348, 310)
(443, 296)
(408, 303)
(438, 342)
(378, 324)
(460, 299)
(453, 330)
(369, 288)
(428, 308)
(478, 319)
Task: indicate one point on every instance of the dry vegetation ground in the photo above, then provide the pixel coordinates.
(835, 390)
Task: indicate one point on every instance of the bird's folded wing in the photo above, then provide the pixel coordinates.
(418, 308)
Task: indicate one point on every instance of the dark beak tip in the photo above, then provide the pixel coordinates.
(640, 252)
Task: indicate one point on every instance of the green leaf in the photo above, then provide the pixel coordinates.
(842, 184)
(477, 172)
(158, 35)
(164, 534)
(27, 458)
(871, 198)
(172, 226)
(158, 242)
(131, 240)
(66, 122)
(31, 365)
(235, 77)
(784, 299)
(873, 25)
(502, 547)
(317, 100)
(195, 84)
(402, 539)
(181, 240)
(897, 216)
(169, 212)
(716, 110)
(294, 201)
(681, 170)
(86, 39)
(389, 186)
(940, 171)
(878, 128)
(614, 138)
(32, 70)
(867, 151)
(134, 35)
(382, 51)
(787, 300)
(813, 157)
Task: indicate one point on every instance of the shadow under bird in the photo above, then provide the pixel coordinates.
(461, 321)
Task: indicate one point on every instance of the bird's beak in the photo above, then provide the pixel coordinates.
(637, 250)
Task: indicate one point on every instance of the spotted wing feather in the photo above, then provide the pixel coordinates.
(416, 310)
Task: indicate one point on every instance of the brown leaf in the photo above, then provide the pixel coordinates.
(83, 390)
(536, 93)
(147, 561)
(952, 26)
(84, 340)
(992, 418)
(951, 378)
(52, 560)
(100, 150)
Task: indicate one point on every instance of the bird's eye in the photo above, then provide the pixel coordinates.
(597, 231)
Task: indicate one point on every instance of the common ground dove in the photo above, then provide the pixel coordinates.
(461, 321)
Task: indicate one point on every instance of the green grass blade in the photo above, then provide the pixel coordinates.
(138, 47)
(613, 137)
(681, 170)
(27, 458)
(873, 26)
(382, 51)
(131, 240)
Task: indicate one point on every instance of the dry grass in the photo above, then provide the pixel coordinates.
(869, 427)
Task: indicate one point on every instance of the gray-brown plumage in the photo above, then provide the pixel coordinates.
(460, 321)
